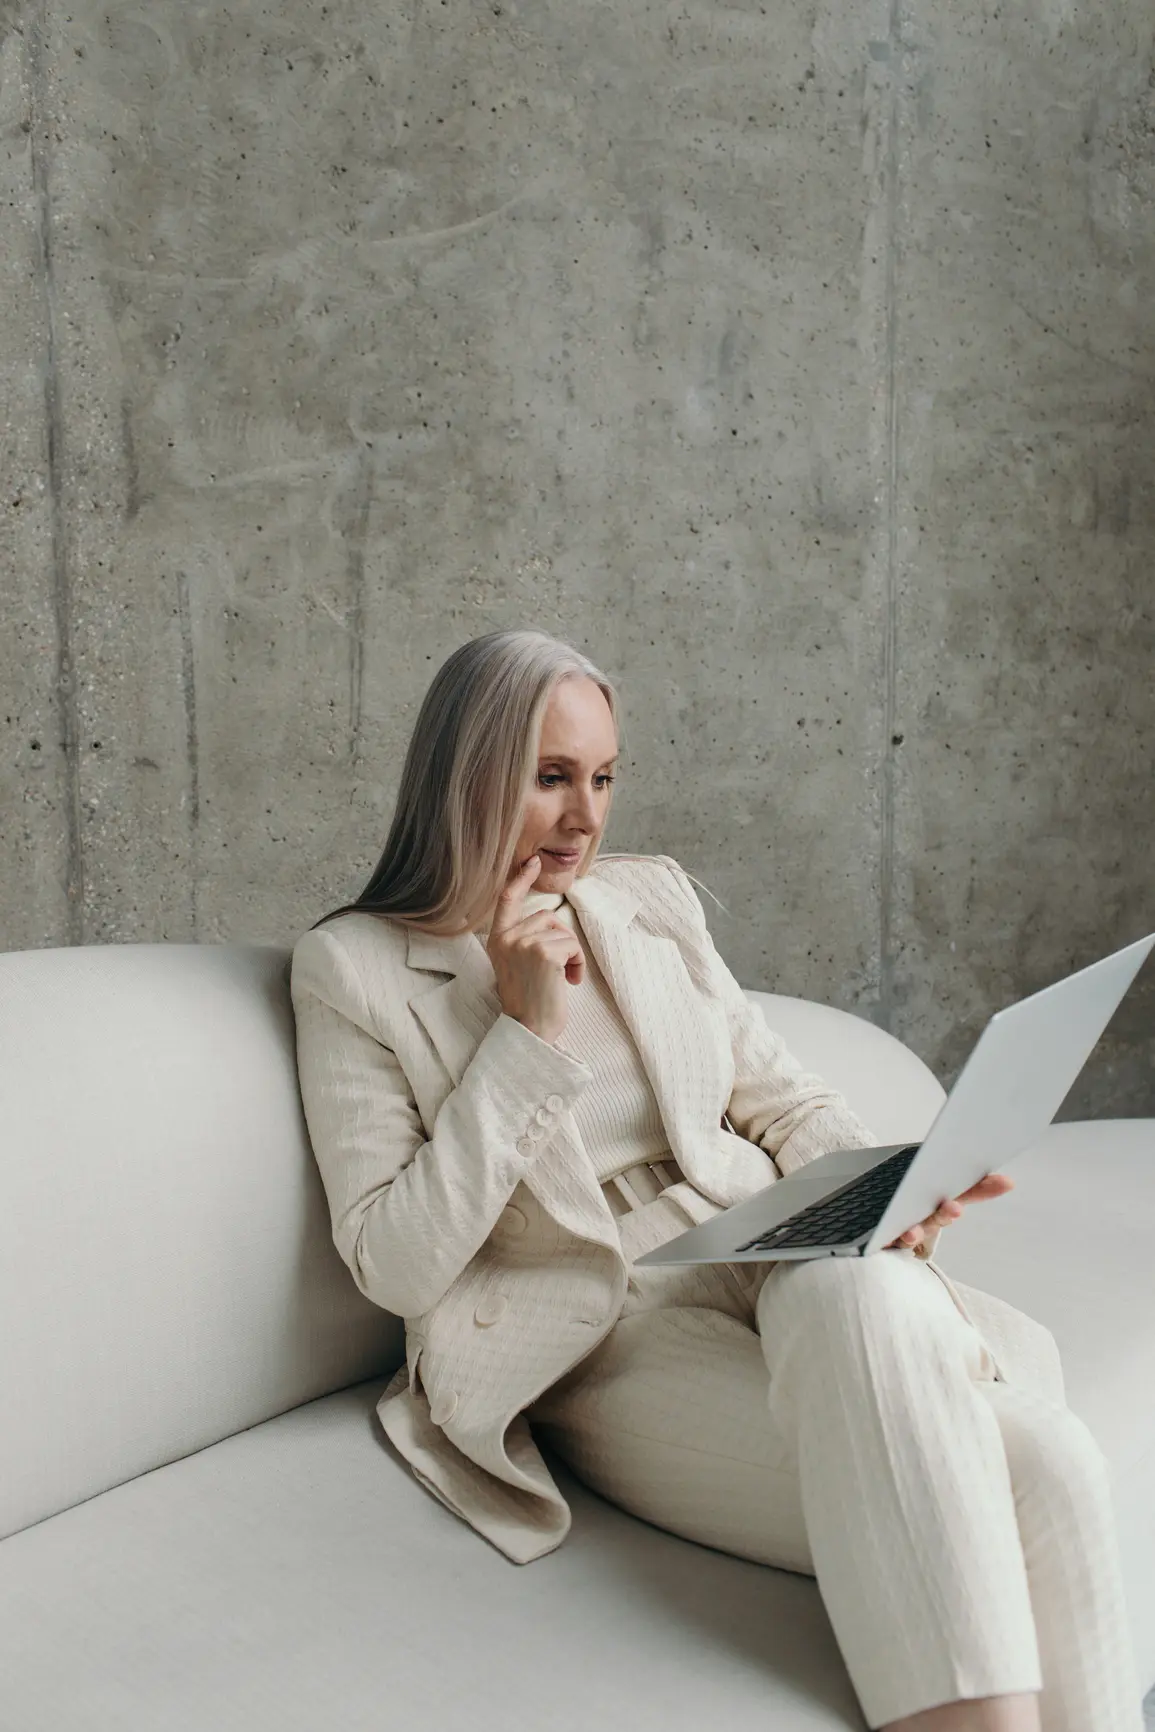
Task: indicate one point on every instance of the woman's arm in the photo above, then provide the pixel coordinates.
(409, 1210)
(786, 1110)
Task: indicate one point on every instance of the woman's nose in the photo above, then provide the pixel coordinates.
(582, 807)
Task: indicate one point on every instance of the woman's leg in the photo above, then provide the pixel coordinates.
(961, 1528)
(669, 1419)
(1067, 1525)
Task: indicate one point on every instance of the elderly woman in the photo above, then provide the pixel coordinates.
(524, 1064)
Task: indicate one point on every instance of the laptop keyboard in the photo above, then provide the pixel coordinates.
(837, 1219)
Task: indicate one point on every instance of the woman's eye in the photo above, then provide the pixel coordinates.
(549, 777)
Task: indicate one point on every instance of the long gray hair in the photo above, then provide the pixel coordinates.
(470, 767)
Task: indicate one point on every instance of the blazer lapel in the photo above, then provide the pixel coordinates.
(459, 1012)
(652, 987)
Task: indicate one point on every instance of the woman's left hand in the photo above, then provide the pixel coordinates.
(927, 1232)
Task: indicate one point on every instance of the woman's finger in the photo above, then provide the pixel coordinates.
(923, 1230)
(991, 1185)
(948, 1210)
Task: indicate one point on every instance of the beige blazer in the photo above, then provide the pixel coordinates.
(461, 1195)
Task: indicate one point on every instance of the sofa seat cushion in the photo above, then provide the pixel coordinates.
(295, 1576)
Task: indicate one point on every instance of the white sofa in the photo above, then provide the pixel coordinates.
(204, 1529)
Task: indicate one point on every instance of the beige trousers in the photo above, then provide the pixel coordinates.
(842, 1418)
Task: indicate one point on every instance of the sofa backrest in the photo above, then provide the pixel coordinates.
(893, 1092)
(167, 1271)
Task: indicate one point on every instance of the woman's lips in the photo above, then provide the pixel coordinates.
(564, 859)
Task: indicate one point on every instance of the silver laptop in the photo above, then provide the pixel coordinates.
(855, 1201)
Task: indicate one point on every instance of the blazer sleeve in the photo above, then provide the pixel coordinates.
(788, 1111)
(410, 1208)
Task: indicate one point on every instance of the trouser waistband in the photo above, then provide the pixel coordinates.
(640, 1184)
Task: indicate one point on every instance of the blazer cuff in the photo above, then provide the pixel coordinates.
(522, 1063)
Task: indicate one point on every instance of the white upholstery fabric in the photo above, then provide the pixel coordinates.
(167, 1274)
(167, 1278)
(297, 1577)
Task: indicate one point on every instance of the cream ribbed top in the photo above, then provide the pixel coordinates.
(618, 1119)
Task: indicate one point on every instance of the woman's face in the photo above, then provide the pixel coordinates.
(568, 808)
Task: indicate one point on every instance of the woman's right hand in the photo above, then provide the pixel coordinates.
(534, 957)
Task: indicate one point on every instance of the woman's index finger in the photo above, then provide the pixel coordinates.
(512, 898)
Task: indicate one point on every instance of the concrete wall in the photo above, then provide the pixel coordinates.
(795, 360)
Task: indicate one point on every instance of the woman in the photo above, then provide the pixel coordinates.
(522, 1066)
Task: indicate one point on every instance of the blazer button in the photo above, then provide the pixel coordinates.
(555, 1103)
(443, 1407)
(491, 1308)
(524, 1146)
(542, 1117)
(512, 1219)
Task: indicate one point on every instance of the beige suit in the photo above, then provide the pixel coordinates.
(460, 1192)
(463, 1200)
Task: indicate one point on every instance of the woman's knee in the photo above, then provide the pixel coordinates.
(860, 1316)
(888, 1283)
(1047, 1445)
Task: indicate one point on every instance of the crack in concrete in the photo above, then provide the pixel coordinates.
(54, 425)
(362, 500)
(889, 621)
(1128, 369)
(192, 745)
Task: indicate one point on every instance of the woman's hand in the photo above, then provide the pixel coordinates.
(535, 957)
(927, 1232)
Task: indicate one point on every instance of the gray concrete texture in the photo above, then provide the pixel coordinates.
(793, 360)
